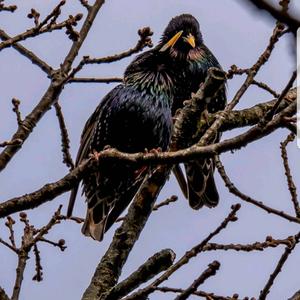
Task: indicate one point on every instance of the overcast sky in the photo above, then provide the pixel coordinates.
(236, 34)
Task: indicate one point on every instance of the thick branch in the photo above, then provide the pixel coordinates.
(125, 236)
(50, 191)
(3, 295)
(154, 265)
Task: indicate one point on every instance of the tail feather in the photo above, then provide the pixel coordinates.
(72, 200)
(92, 229)
(181, 180)
(201, 185)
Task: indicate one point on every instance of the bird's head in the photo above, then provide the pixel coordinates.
(181, 36)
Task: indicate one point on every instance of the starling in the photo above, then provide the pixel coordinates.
(134, 116)
(191, 60)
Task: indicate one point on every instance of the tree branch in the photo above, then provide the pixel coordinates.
(288, 250)
(283, 17)
(154, 265)
(142, 293)
(53, 91)
(210, 271)
(105, 277)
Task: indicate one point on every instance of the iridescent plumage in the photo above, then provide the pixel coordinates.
(133, 117)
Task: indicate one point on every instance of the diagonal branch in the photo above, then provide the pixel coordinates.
(210, 271)
(29, 54)
(144, 292)
(154, 265)
(288, 250)
(233, 189)
(289, 177)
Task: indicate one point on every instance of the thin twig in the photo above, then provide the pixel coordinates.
(142, 293)
(40, 29)
(144, 41)
(265, 87)
(257, 246)
(233, 189)
(65, 141)
(10, 8)
(289, 177)
(282, 95)
(29, 54)
(95, 80)
(58, 80)
(285, 18)
(16, 103)
(288, 250)
(85, 4)
(208, 296)
(210, 271)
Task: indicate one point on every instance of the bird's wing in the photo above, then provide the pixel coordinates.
(200, 184)
(83, 151)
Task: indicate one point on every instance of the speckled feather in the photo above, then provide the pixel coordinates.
(133, 117)
(191, 66)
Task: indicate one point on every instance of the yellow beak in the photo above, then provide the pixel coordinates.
(172, 41)
(191, 40)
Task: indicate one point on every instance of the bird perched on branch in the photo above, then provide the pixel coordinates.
(191, 60)
(133, 117)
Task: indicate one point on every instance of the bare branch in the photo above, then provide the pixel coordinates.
(29, 54)
(71, 21)
(53, 91)
(95, 80)
(265, 87)
(144, 41)
(10, 8)
(232, 189)
(257, 246)
(283, 17)
(65, 141)
(210, 271)
(288, 250)
(16, 103)
(144, 292)
(289, 177)
(153, 266)
(208, 296)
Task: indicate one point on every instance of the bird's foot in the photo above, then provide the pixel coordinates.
(155, 151)
(95, 155)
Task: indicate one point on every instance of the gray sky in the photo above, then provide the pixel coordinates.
(237, 35)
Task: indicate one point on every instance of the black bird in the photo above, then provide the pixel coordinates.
(134, 116)
(191, 60)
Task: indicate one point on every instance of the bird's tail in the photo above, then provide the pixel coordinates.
(203, 191)
(199, 188)
(93, 229)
